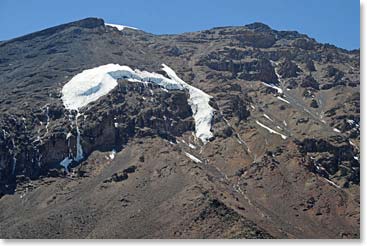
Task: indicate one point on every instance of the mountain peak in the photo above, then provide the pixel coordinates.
(258, 26)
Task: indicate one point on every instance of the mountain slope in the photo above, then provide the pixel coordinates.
(279, 157)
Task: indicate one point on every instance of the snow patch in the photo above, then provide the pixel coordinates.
(112, 154)
(196, 160)
(282, 99)
(192, 146)
(336, 130)
(91, 84)
(199, 102)
(267, 116)
(271, 130)
(280, 91)
(120, 27)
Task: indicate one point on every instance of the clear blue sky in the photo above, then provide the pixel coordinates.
(329, 21)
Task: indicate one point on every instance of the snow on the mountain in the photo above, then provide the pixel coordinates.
(112, 154)
(91, 84)
(284, 123)
(199, 102)
(192, 146)
(332, 183)
(350, 122)
(120, 27)
(282, 99)
(336, 130)
(196, 160)
(267, 116)
(280, 91)
(65, 163)
(79, 149)
(271, 130)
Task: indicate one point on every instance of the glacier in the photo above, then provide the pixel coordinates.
(91, 84)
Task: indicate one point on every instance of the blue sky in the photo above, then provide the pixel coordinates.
(329, 21)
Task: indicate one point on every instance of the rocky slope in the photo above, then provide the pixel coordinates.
(282, 160)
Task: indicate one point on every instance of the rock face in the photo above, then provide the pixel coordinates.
(283, 161)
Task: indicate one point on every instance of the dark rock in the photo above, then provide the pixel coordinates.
(314, 104)
(310, 82)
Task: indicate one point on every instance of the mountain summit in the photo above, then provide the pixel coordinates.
(107, 131)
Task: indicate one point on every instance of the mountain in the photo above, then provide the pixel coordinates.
(234, 132)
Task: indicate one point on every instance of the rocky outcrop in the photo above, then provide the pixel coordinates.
(288, 69)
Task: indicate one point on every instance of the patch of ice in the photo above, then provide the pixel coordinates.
(79, 149)
(271, 130)
(65, 163)
(91, 84)
(280, 91)
(196, 160)
(192, 146)
(199, 102)
(282, 99)
(68, 135)
(336, 130)
(120, 27)
(267, 116)
(112, 154)
(332, 183)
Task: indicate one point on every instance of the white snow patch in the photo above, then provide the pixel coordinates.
(199, 102)
(192, 146)
(336, 130)
(112, 154)
(282, 99)
(116, 124)
(284, 123)
(68, 135)
(120, 27)
(271, 130)
(332, 183)
(91, 84)
(280, 91)
(267, 116)
(356, 158)
(196, 160)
